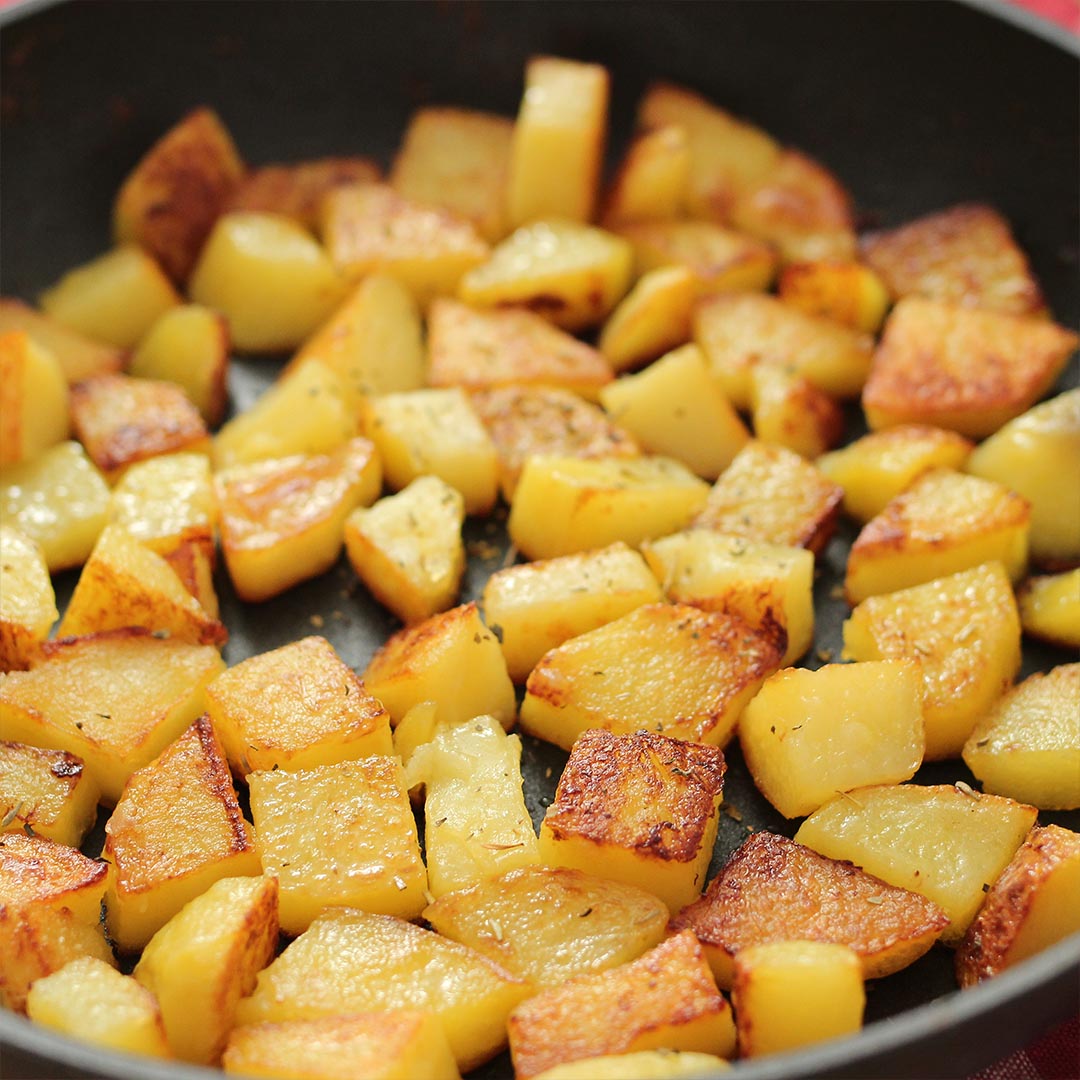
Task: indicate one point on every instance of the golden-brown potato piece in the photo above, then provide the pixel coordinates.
(789, 410)
(33, 398)
(650, 182)
(27, 600)
(1050, 608)
(839, 289)
(80, 357)
(48, 792)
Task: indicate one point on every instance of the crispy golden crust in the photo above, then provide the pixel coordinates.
(34, 869)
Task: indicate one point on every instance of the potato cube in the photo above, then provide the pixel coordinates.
(660, 1064)
(947, 842)
(650, 182)
(941, 524)
(572, 274)
(80, 357)
(115, 699)
(153, 876)
(296, 707)
(666, 998)
(407, 548)
(415, 728)
(1030, 907)
(964, 633)
(640, 809)
(425, 662)
(353, 961)
(557, 149)
(663, 667)
(789, 994)
(1050, 608)
(565, 504)
(194, 561)
(90, 1000)
(283, 521)
(789, 410)
(457, 159)
(769, 586)
(773, 889)
(1028, 745)
(401, 1044)
(33, 398)
(27, 600)
(539, 605)
(966, 370)
(113, 299)
(47, 791)
(434, 431)
(590, 924)
(844, 291)
(478, 349)
(675, 407)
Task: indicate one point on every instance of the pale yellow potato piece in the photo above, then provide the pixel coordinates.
(33, 398)
(788, 410)
(295, 707)
(113, 299)
(90, 1000)
(640, 1065)
(48, 791)
(1028, 745)
(1049, 608)
(79, 356)
(947, 843)
(676, 408)
(558, 142)
(570, 273)
(838, 289)
(415, 728)
(588, 924)
(767, 585)
(789, 994)
(475, 821)
(269, 278)
(640, 809)
(351, 961)
(651, 319)
(539, 605)
(565, 504)
(941, 524)
(27, 600)
(650, 183)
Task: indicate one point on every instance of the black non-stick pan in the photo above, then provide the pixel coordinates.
(915, 106)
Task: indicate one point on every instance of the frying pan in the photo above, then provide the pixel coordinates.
(915, 106)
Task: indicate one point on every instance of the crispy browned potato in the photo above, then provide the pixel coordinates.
(650, 183)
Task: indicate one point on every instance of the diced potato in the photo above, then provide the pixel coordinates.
(873, 470)
(640, 809)
(434, 431)
(268, 277)
(425, 662)
(789, 994)
(642, 1065)
(666, 998)
(589, 924)
(189, 346)
(153, 875)
(663, 667)
(721, 260)
(352, 961)
(964, 255)
(773, 889)
(1049, 608)
(788, 410)
(964, 633)
(650, 183)
(371, 228)
(27, 600)
(115, 699)
(557, 149)
(651, 319)
(283, 521)
(838, 289)
(675, 407)
(122, 420)
(476, 825)
(47, 791)
(740, 330)
(941, 524)
(1030, 907)
(1035, 455)
(947, 843)
(415, 728)
(966, 370)
(33, 398)
(478, 349)
(59, 500)
(400, 1044)
(407, 548)
(539, 605)
(565, 504)
(80, 357)
(170, 200)
(457, 159)
(113, 299)
(572, 274)
(194, 561)
(1028, 745)
(295, 707)
(767, 585)
(769, 493)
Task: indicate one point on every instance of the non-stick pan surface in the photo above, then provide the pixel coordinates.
(915, 106)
